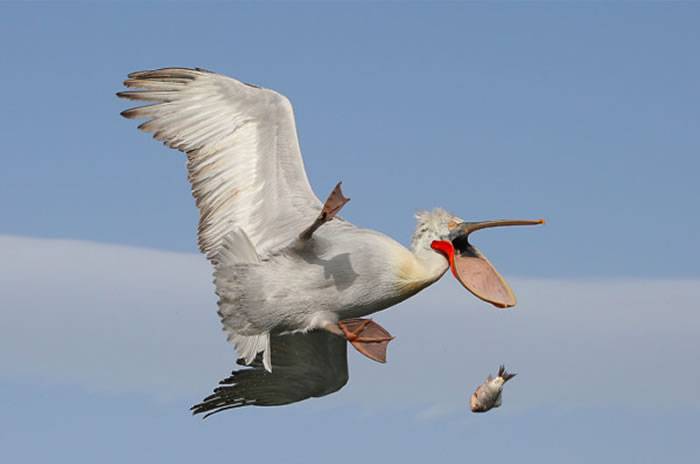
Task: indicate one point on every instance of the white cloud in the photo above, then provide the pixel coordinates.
(121, 319)
(108, 317)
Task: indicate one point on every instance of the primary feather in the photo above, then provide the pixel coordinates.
(243, 156)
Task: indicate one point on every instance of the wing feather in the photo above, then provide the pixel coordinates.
(305, 365)
(243, 156)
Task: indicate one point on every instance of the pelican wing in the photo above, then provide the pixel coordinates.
(305, 365)
(243, 156)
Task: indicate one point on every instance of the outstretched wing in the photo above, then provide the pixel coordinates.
(305, 365)
(243, 156)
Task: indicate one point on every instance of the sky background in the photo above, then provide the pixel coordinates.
(585, 114)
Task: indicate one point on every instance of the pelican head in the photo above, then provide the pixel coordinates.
(450, 237)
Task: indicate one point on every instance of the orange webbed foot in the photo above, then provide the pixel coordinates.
(368, 337)
(335, 201)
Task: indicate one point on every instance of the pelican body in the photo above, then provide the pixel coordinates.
(345, 272)
(294, 280)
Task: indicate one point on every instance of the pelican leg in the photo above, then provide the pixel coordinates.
(368, 337)
(334, 202)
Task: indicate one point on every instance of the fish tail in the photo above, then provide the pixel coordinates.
(504, 374)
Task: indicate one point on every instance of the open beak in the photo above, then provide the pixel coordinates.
(472, 268)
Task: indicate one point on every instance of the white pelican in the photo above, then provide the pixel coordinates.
(294, 281)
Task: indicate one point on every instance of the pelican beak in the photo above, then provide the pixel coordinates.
(472, 268)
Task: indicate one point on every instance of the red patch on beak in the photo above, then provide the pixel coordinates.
(446, 248)
(476, 274)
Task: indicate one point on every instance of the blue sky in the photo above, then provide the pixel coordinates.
(585, 114)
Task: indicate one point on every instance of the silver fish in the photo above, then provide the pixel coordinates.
(488, 394)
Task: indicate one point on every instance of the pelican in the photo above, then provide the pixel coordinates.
(295, 281)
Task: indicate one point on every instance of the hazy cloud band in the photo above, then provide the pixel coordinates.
(122, 319)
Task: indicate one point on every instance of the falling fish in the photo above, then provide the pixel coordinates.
(488, 394)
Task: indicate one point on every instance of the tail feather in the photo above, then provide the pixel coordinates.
(248, 346)
(237, 249)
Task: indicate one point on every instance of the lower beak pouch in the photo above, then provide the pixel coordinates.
(472, 268)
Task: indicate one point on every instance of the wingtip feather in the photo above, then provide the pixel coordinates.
(174, 72)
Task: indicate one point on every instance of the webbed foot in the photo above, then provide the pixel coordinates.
(368, 337)
(335, 201)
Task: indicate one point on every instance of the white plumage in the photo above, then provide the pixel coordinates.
(243, 157)
(277, 289)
